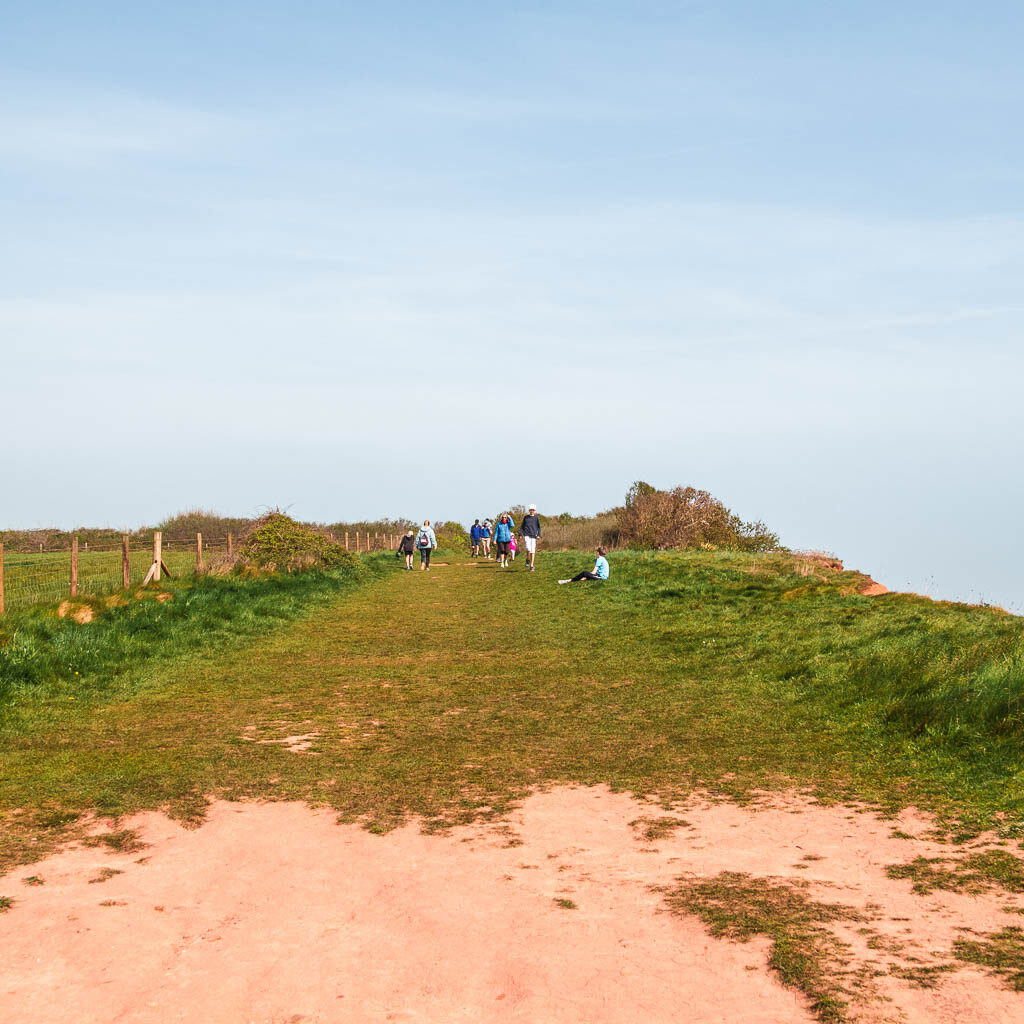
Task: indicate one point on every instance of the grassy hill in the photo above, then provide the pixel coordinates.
(449, 694)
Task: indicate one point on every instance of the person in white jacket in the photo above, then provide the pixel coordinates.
(425, 542)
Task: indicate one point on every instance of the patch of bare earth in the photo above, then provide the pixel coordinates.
(560, 913)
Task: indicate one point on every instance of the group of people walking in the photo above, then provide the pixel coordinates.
(503, 535)
(505, 538)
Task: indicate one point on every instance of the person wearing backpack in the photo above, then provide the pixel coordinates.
(426, 542)
(485, 538)
(406, 546)
(502, 537)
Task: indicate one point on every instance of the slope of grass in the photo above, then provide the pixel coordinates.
(44, 656)
(449, 692)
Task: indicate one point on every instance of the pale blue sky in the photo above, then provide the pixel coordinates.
(426, 260)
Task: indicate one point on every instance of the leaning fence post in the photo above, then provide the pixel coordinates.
(199, 552)
(230, 546)
(125, 572)
(74, 566)
(158, 553)
(1, 578)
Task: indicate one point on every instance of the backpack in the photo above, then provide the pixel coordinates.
(423, 540)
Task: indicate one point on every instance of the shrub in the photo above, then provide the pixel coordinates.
(451, 535)
(278, 542)
(686, 518)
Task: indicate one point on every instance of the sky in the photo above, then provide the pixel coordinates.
(431, 260)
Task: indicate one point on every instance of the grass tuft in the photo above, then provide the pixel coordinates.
(104, 875)
(124, 841)
(653, 829)
(976, 873)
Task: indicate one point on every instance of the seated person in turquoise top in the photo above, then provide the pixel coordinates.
(601, 570)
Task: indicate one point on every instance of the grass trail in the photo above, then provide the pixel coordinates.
(449, 692)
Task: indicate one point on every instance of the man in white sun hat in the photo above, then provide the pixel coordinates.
(529, 530)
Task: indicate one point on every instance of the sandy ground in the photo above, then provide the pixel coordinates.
(275, 913)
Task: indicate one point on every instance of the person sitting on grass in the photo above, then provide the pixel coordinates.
(601, 570)
(406, 546)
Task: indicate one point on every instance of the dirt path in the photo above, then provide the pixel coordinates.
(275, 913)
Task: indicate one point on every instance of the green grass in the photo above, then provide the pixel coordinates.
(41, 577)
(44, 656)
(442, 693)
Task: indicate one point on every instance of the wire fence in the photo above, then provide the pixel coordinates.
(46, 577)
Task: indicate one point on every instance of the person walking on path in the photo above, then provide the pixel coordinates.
(601, 570)
(476, 532)
(529, 530)
(426, 542)
(502, 537)
(406, 546)
(485, 538)
(513, 547)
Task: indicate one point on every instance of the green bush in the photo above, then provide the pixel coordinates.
(278, 542)
(451, 536)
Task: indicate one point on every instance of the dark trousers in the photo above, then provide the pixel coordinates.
(584, 576)
(425, 557)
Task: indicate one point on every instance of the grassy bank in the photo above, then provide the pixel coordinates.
(44, 656)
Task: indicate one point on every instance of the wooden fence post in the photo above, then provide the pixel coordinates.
(357, 540)
(125, 568)
(346, 540)
(199, 552)
(1, 578)
(158, 553)
(230, 546)
(74, 566)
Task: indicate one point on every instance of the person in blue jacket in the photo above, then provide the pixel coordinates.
(485, 538)
(476, 532)
(502, 536)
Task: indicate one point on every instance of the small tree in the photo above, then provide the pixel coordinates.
(686, 517)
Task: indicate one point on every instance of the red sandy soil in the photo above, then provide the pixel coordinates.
(275, 913)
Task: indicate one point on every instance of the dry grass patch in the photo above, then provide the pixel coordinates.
(1002, 953)
(124, 841)
(804, 952)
